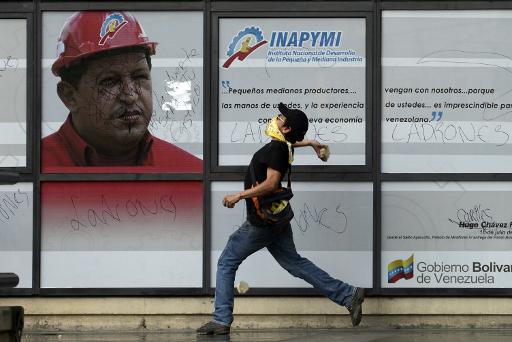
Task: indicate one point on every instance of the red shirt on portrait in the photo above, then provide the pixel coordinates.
(65, 151)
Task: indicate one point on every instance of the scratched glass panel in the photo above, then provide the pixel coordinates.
(153, 123)
(450, 234)
(121, 234)
(333, 227)
(13, 93)
(317, 65)
(446, 94)
(16, 208)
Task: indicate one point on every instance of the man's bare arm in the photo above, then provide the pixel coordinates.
(269, 185)
(313, 143)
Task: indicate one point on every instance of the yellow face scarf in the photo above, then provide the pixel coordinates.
(273, 131)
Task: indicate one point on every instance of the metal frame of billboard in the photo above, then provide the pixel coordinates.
(212, 12)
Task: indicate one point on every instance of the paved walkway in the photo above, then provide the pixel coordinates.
(309, 335)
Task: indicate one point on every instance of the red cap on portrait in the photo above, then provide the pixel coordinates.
(89, 32)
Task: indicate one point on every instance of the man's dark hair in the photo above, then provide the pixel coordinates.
(73, 74)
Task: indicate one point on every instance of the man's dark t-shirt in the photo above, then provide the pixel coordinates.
(273, 155)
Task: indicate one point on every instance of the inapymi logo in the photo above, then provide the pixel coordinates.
(398, 269)
(246, 41)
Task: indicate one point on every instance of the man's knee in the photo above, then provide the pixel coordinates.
(229, 260)
(294, 265)
(295, 271)
(291, 267)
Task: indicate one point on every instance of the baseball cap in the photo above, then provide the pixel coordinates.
(296, 120)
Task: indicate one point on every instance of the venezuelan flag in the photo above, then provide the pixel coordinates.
(399, 269)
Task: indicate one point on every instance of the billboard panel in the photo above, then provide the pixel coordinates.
(332, 227)
(13, 93)
(446, 99)
(446, 235)
(16, 212)
(107, 108)
(121, 234)
(317, 65)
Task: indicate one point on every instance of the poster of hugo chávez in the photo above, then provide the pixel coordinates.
(317, 65)
(446, 235)
(13, 93)
(446, 91)
(122, 92)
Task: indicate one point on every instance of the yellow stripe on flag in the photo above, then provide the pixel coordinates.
(409, 261)
(394, 264)
(399, 262)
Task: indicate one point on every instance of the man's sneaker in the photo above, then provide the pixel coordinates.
(355, 308)
(212, 328)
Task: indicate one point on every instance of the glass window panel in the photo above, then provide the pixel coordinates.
(109, 132)
(446, 98)
(13, 93)
(121, 234)
(332, 227)
(317, 65)
(16, 231)
(446, 235)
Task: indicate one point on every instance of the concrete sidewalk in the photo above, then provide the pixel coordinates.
(303, 335)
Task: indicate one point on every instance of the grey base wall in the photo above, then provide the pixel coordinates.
(188, 313)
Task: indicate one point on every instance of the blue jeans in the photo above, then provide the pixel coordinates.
(279, 242)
